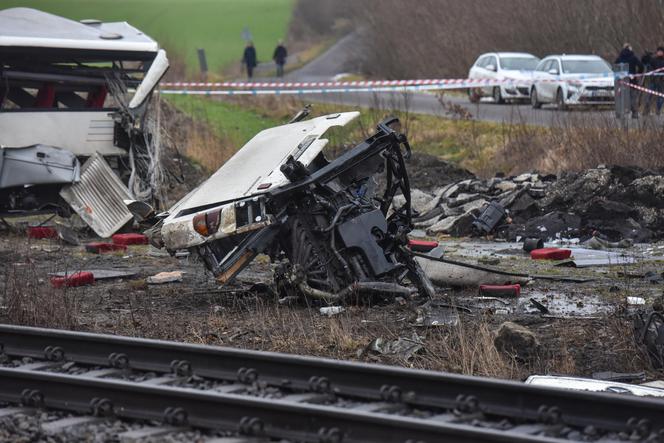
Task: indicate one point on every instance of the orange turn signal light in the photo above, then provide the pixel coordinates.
(200, 225)
(207, 223)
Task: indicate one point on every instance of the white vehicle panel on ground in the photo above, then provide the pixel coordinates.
(257, 163)
(259, 160)
(588, 384)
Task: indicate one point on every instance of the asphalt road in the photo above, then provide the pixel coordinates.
(339, 59)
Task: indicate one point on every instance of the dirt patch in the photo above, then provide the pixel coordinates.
(426, 171)
(240, 315)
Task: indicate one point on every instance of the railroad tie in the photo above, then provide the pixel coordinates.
(134, 436)
(57, 426)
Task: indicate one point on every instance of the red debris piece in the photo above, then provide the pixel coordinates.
(103, 247)
(42, 232)
(550, 254)
(500, 290)
(422, 245)
(76, 279)
(130, 239)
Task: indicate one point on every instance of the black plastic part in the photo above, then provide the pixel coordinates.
(490, 217)
(530, 244)
(358, 234)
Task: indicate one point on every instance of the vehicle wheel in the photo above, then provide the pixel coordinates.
(534, 100)
(560, 100)
(473, 96)
(497, 96)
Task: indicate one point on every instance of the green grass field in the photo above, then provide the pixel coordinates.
(182, 26)
(233, 123)
(471, 144)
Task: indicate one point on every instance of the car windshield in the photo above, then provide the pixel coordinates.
(585, 67)
(516, 63)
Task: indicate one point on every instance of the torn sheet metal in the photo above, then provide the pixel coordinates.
(435, 313)
(402, 347)
(98, 198)
(37, 165)
(588, 384)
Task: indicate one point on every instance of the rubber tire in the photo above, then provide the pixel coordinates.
(473, 96)
(534, 102)
(560, 100)
(497, 96)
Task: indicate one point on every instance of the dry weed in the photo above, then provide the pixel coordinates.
(28, 297)
(581, 144)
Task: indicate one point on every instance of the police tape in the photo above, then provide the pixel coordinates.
(455, 83)
(303, 91)
(451, 83)
(656, 72)
(643, 89)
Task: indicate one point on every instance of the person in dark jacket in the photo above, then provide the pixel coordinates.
(249, 59)
(657, 81)
(647, 81)
(279, 57)
(635, 66)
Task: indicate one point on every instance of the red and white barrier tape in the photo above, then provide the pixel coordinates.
(642, 89)
(647, 74)
(458, 82)
(327, 84)
(303, 91)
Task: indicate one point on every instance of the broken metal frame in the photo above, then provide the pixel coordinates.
(330, 207)
(80, 68)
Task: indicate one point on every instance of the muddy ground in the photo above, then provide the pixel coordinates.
(588, 329)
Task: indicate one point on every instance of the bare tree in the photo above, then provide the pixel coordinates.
(442, 38)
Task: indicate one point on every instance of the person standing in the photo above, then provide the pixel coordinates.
(279, 57)
(657, 80)
(628, 57)
(646, 81)
(249, 59)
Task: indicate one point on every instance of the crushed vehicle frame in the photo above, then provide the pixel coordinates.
(331, 231)
(80, 88)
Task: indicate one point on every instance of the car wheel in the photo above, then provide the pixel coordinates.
(534, 100)
(473, 96)
(560, 100)
(498, 96)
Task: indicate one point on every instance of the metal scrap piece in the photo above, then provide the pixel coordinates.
(98, 198)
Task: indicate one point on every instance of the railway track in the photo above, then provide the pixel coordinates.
(249, 395)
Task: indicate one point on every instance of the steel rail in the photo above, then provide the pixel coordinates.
(367, 381)
(247, 415)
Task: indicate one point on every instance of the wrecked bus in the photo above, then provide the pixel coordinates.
(75, 130)
(331, 229)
